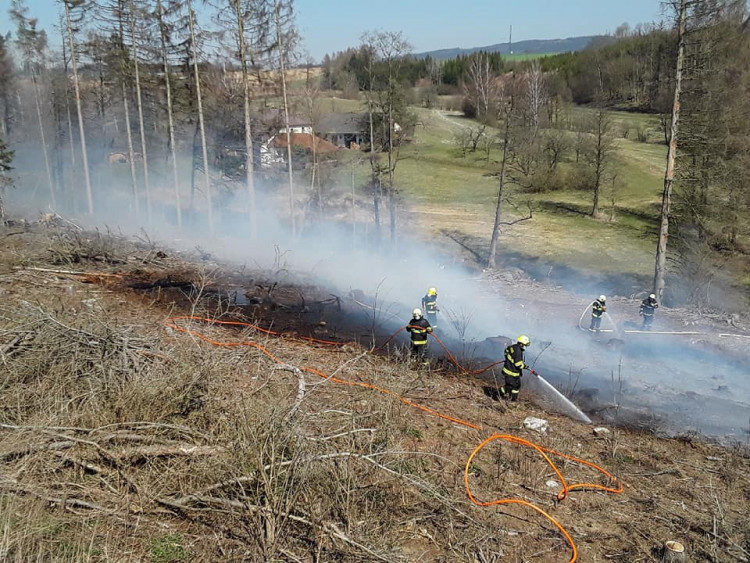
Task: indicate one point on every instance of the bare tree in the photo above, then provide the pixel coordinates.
(72, 5)
(376, 180)
(161, 21)
(283, 14)
(33, 44)
(481, 85)
(508, 109)
(123, 59)
(390, 48)
(536, 94)
(599, 153)
(242, 12)
(661, 247)
(134, 36)
(201, 120)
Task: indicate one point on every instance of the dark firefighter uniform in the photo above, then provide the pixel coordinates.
(419, 329)
(513, 369)
(430, 308)
(648, 306)
(598, 308)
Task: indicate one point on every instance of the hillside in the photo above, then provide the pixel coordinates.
(129, 434)
(529, 46)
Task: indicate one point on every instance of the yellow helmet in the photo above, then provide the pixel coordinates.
(523, 340)
(432, 291)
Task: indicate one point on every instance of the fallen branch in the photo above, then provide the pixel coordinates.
(13, 487)
(300, 387)
(184, 503)
(136, 454)
(67, 272)
(53, 446)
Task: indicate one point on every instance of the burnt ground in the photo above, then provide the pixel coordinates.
(412, 508)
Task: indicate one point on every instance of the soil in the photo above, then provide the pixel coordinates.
(683, 488)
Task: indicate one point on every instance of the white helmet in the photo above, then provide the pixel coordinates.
(652, 296)
(416, 314)
(602, 298)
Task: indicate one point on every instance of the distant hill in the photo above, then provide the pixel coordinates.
(531, 46)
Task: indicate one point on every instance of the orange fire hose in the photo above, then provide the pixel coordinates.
(173, 323)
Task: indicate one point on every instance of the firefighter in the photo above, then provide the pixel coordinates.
(419, 327)
(429, 306)
(513, 368)
(648, 306)
(598, 308)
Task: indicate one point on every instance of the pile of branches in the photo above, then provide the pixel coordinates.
(135, 428)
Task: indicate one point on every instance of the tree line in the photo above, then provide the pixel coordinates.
(161, 83)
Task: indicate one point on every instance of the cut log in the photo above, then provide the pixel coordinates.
(673, 552)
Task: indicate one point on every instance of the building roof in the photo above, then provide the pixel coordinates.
(274, 118)
(349, 123)
(304, 140)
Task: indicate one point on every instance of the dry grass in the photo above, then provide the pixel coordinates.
(123, 440)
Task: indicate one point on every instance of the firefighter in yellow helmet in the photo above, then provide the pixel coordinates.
(429, 306)
(513, 368)
(419, 327)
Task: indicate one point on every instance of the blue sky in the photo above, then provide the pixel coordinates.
(333, 25)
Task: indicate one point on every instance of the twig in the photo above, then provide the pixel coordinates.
(67, 272)
(300, 386)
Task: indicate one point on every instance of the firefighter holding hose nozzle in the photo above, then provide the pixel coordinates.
(648, 307)
(513, 368)
(429, 306)
(598, 308)
(419, 327)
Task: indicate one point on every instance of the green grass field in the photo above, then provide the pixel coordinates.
(452, 199)
(450, 193)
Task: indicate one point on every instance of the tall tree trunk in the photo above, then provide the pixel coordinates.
(249, 168)
(491, 261)
(391, 167)
(201, 124)
(377, 188)
(139, 105)
(81, 131)
(661, 248)
(43, 138)
(67, 108)
(131, 152)
(282, 67)
(170, 116)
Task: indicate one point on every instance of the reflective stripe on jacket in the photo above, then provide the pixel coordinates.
(514, 362)
(429, 303)
(648, 307)
(419, 330)
(598, 308)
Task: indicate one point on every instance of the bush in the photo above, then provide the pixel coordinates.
(468, 108)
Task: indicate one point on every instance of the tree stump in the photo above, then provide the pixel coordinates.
(673, 552)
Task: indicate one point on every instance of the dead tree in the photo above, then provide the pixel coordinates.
(507, 113)
(72, 5)
(201, 122)
(163, 38)
(661, 248)
(240, 13)
(139, 104)
(33, 44)
(282, 17)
